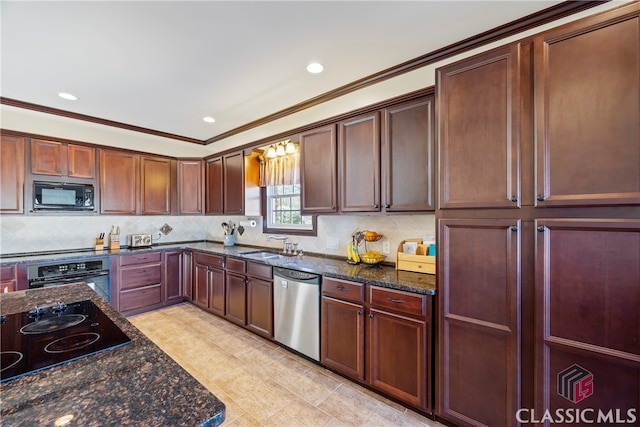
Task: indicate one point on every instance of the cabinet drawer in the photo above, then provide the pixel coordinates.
(342, 289)
(255, 269)
(140, 258)
(208, 259)
(399, 301)
(8, 272)
(140, 276)
(236, 265)
(141, 297)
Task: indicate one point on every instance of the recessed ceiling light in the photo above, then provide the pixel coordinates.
(315, 68)
(209, 119)
(68, 96)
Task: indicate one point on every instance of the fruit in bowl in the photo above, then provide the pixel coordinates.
(372, 257)
(370, 236)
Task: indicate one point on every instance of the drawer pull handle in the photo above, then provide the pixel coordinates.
(397, 301)
(342, 288)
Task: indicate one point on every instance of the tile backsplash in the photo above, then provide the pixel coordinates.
(19, 234)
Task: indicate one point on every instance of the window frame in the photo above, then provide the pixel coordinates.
(282, 230)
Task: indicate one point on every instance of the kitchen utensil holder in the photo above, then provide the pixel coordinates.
(99, 244)
(229, 240)
(114, 242)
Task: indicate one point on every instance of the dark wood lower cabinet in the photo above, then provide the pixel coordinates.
(259, 306)
(208, 282)
(236, 305)
(588, 330)
(173, 276)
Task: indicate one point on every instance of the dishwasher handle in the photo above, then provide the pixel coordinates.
(297, 275)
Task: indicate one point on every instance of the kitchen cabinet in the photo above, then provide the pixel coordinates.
(139, 282)
(190, 187)
(408, 144)
(260, 299)
(478, 130)
(319, 170)
(399, 325)
(342, 347)
(12, 160)
(589, 153)
(236, 291)
(119, 182)
(587, 296)
(359, 163)
(480, 290)
(172, 263)
(62, 159)
(225, 184)
(208, 282)
(155, 185)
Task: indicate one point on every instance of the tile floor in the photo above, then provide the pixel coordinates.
(261, 383)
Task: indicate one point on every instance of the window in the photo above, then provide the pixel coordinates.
(283, 211)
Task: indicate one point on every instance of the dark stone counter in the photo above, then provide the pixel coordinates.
(133, 385)
(381, 275)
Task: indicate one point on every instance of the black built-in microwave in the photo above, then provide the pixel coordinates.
(63, 196)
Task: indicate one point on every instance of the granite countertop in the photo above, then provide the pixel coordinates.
(135, 384)
(381, 275)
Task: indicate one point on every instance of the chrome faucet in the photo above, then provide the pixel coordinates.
(284, 239)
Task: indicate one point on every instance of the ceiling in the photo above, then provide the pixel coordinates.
(163, 65)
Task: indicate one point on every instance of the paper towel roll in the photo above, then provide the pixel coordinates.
(248, 223)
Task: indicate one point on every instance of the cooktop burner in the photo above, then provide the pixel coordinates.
(51, 335)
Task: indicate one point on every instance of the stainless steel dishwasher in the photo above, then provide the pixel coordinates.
(296, 304)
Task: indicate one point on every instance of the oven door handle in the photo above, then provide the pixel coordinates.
(44, 283)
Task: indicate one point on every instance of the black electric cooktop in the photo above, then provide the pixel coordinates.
(50, 335)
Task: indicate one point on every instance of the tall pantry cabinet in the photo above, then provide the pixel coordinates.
(539, 236)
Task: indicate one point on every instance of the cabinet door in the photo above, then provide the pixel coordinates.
(11, 175)
(173, 276)
(236, 290)
(319, 171)
(155, 186)
(587, 101)
(359, 164)
(478, 131)
(479, 292)
(48, 158)
(201, 285)
(398, 354)
(233, 179)
(408, 156)
(587, 297)
(260, 306)
(190, 187)
(216, 291)
(118, 182)
(81, 161)
(342, 337)
(214, 187)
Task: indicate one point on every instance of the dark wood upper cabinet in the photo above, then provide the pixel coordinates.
(119, 182)
(587, 103)
(478, 130)
(155, 183)
(190, 187)
(318, 170)
(214, 203)
(225, 185)
(359, 163)
(408, 156)
(233, 179)
(479, 292)
(12, 159)
(62, 159)
(587, 297)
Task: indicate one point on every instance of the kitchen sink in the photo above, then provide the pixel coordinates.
(262, 254)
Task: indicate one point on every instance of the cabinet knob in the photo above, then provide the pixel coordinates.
(359, 312)
(387, 206)
(376, 206)
(370, 316)
(541, 228)
(59, 172)
(514, 198)
(513, 228)
(541, 197)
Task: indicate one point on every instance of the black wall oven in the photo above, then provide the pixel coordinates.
(94, 272)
